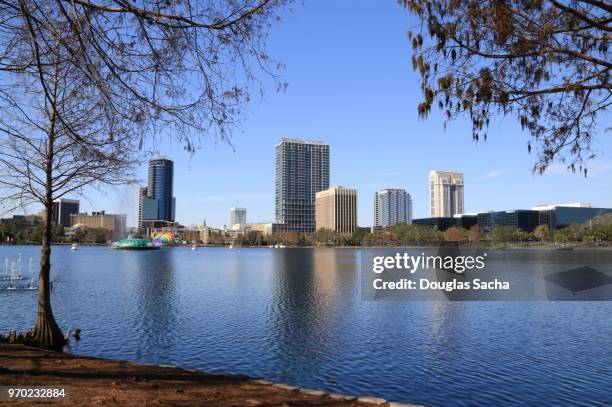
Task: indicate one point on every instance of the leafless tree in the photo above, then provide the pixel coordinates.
(83, 83)
(544, 62)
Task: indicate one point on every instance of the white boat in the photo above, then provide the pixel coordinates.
(231, 246)
(74, 246)
(193, 247)
(282, 246)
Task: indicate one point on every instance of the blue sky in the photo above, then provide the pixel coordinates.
(351, 85)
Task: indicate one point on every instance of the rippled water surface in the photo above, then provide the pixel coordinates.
(296, 316)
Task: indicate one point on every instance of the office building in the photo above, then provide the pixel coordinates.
(62, 209)
(392, 206)
(567, 205)
(237, 215)
(302, 170)
(466, 221)
(142, 194)
(159, 205)
(336, 209)
(115, 224)
(264, 228)
(445, 193)
(560, 216)
(438, 222)
(523, 219)
(553, 216)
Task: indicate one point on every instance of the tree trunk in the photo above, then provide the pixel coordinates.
(47, 333)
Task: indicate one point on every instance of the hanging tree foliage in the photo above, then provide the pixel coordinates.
(544, 62)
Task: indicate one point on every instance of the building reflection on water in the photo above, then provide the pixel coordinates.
(305, 311)
(156, 297)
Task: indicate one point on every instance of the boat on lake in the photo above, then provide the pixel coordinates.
(134, 242)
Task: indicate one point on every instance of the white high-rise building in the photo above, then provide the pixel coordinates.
(392, 206)
(445, 193)
(238, 216)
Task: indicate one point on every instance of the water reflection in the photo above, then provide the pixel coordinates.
(156, 296)
(297, 315)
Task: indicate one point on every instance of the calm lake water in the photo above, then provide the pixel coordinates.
(297, 316)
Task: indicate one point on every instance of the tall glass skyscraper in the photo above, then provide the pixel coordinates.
(158, 206)
(392, 206)
(302, 170)
(161, 176)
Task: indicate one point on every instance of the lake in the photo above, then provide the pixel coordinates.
(297, 316)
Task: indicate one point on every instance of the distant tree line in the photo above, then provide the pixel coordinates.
(19, 232)
(595, 232)
(16, 232)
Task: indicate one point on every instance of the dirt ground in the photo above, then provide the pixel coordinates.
(93, 381)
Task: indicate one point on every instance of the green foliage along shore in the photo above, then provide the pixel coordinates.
(597, 232)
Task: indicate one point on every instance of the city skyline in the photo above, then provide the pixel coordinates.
(378, 142)
(362, 224)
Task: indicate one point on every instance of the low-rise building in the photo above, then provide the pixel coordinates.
(244, 228)
(116, 224)
(553, 216)
(563, 216)
(440, 223)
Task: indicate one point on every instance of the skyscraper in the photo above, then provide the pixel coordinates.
(238, 216)
(445, 193)
(142, 194)
(62, 209)
(392, 206)
(302, 170)
(158, 206)
(336, 209)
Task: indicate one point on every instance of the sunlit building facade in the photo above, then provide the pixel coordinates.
(445, 193)
(336, 210)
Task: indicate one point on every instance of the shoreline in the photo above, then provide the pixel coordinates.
(569, 247)
(93, 380)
